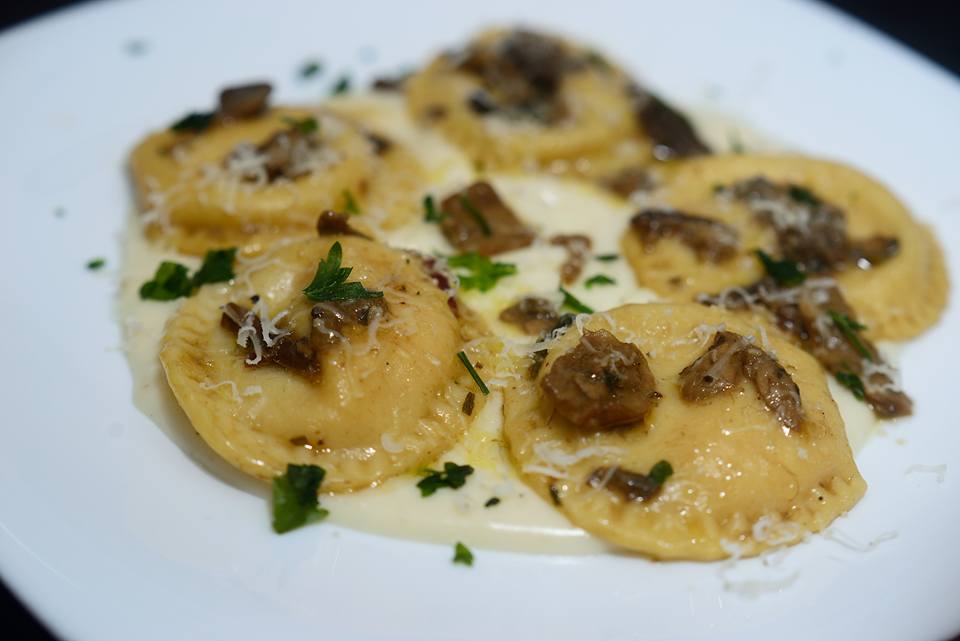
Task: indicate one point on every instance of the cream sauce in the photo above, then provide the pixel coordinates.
(521, 521)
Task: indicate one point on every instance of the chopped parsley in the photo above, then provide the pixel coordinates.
(194, 122)
(478, 271)
(596, 58)
(96, 263)
(572, 302)
(853, 383)
(476, 214)
(305, 126)
(350, 203)
(330, 281)
(172, 280)
(849, 328)
(430, 213)
(453, 476)
(493, 500)
(295, 498)
(473, 372)
(718, 189)
(599, 279)
(607, 258)
(803, 196)
(310, 69)
(341, 86)
(785, 272)
(736, 144)
(462, 554)
(660, 472)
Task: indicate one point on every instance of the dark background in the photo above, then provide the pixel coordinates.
(928, 26)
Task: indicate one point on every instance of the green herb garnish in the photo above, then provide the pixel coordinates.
(217, 267)
(476, 214)
(453, 476)
(194, 122)
(96, 263)
(853, 383)
(736, 145)
(330, 281)
(802, 195)
(849, 328)
(310, 69)
(571, 301)
(342, 86)
(784, 272)
(607, 258)
(170, 281)
(599, 279)
(473, 373)
(295, 498)
(350, 203)
(305, 126)
(660, 472)
(718, 189)
(430, 213)
(483, 273)
(493, 500)
(596, 58)
(462, 554)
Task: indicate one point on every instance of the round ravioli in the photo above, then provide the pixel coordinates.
(897, 296)
(362, 385)
(746, 475)
(266, 176)
(515, 98)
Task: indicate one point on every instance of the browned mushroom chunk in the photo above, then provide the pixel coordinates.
(818, 316)
(671, 132)
(332, 223)
(299, 355)
(330, 318)
(711, 240)
(533, 314)
(247, 101)
(810, 232)
(629, 181)
(381, 144)
(632, 486)
(602, 383)
(478, 220)
(578, 249)
(731, 359)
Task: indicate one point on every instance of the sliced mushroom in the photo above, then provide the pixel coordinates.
(578, 249)
(632, 486)
(480, 221)
(629, 181)
(601, 384)
(670, 130)
(711, 240)
(533, 314)
(332, 223)
(245, 101)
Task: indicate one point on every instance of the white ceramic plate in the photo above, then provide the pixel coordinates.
(111, 530)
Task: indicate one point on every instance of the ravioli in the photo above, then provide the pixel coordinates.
(897, 299)
(219, 186)
(744, 478)
(384, 396)
(517, 99)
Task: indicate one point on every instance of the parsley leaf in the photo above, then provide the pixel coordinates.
(430, 213)
(803, 196)
(599, 279)
(483, 273)
(194, 122)
(295, 498)
(169, 282)
(853, 383)
(660, 472)
(785, 272)
(330, 281)
(493, 500)
(310, 69)
(350, 203)
(306, 126)
(736, 144)
(462, 554)
(849, 328)
(217, 267)
(571, 301)
(607, 258)
(453, 476)
(476, 214)
(342, 86)
(473, 373)
(96, 263)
